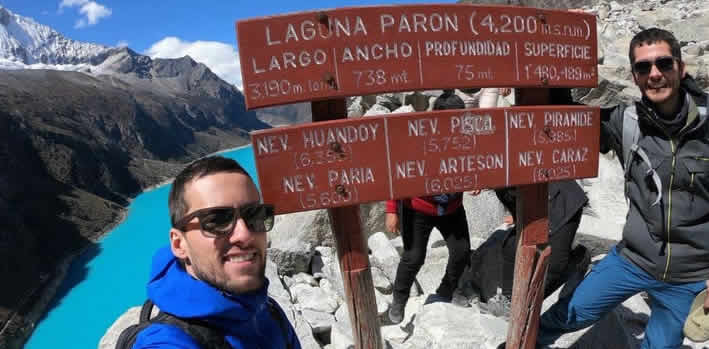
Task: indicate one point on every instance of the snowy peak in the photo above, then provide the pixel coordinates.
(24, 41)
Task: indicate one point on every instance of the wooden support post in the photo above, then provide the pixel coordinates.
(352, 252)
(532, 251)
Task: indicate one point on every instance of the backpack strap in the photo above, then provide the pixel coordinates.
(204, 334)
(631, 135)
(282, 323)
(127, 338)
(145, 311)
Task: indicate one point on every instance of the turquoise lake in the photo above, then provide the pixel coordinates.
(105, 281)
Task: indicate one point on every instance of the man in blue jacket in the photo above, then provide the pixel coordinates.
(213, 271)
(663, 144)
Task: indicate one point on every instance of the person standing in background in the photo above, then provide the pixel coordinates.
(415, 218)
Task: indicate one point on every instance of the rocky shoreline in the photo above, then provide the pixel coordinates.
(24, 320)
(37, 304)
(47, 292)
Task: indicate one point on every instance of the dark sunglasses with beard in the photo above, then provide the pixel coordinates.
(663, 64)
(219, 221)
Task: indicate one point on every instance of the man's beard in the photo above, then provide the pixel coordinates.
(223, 285)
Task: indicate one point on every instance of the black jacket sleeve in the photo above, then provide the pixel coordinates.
(612, 130)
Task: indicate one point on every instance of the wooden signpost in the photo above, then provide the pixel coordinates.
(364, 50)
(352, 161)
(324, 56)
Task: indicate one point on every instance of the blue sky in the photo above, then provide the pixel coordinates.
(170, 28)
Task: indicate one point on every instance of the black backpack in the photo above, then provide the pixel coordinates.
(205, 335)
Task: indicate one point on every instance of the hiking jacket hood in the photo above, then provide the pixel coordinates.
(245, 318)
(667, 228)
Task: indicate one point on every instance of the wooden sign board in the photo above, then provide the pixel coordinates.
(351, 161)
(366, 50)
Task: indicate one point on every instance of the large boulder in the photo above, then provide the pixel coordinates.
(383, 256)
(438, 326)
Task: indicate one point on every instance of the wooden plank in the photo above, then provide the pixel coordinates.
(533, 213)
(532, 227)
(341, 52)
(345, 162)
(530, 265)
(536, 297)
(356, 276)
(519, 312)
(352, 252)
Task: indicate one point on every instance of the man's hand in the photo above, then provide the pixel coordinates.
(505, 91)
(392, 222)
(706, 301)
(475, 192)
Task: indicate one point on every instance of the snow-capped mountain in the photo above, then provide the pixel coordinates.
(25, 43)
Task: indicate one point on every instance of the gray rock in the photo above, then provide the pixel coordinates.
(341, 336)
(330, 290)
(484, 213)
(293, 238)
(331, 270)
(372, 217)
(304, 278)
(438, 326)
(343, 315)
(605, 215)
(432, 271)
(377, 109)
(398, 244)
(302, 328)
(380, 280)
(320, 322)
(404, 109)
(314, 298)
(384, 256)
(291, 256)
(354, 107)
(130, 317)
(690, 29)
(383, 302)
(276, 289)
(603, 10)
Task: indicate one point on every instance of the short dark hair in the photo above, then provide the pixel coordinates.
(448, 100)
(651, 36)
(176, 202)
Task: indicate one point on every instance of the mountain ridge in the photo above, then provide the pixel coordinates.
(82, 140)
(24, 41)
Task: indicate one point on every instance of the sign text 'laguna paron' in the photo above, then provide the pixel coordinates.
(345, 162)
(364, 50)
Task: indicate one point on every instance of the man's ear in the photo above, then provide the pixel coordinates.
(178, 244)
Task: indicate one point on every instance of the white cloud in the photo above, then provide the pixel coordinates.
(71, 3)
(92, 11)
(122, 43)
(220, 57)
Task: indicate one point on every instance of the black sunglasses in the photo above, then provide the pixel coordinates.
(663, 64)
(220, 221)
